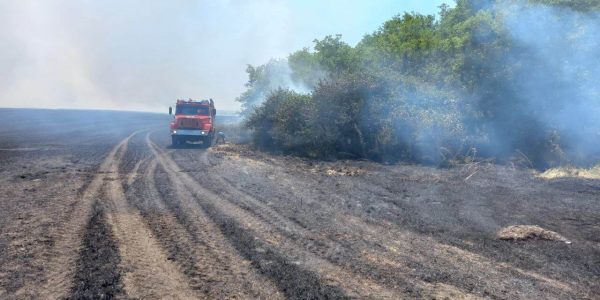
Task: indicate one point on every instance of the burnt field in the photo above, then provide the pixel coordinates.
(96, 204)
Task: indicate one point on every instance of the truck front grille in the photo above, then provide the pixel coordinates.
(189, 123)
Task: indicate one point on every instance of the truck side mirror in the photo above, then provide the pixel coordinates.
(170, 110)
(214, 112)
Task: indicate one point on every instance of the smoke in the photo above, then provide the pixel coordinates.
(144, 54)
(32, 67)
(524, 80)
(561, 81)
(274, 75)
(538, 88)
(134, 54)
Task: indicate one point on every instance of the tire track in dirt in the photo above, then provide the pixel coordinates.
(394, 250)
(62, 262)
(135, 172)
(298, 273)
(98, 274)
(195, 244)
(260, 208)
(357, 257)
(148, 273)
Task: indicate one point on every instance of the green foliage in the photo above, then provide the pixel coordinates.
(335, 55)
(403, 43)
(306, 68)
(339, 103)
(258, 81)
(359, 115)
(419, 88)
(282, 121)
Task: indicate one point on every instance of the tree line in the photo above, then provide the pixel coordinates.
(482, 78)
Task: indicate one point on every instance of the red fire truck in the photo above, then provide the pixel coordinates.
(194, 121)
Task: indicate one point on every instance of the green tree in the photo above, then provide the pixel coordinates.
(306, 68)
(283, 122)
(335, 56)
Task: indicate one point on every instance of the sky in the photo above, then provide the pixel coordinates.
(143, 55)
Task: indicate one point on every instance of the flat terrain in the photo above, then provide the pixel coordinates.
(96, 204)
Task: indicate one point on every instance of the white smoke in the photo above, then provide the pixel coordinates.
(133, 54)
(562, 85)
(140, 54)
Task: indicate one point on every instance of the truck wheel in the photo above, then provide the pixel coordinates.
(174, 141)
(208, 141)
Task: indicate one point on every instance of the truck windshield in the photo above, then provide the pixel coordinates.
(191, 110)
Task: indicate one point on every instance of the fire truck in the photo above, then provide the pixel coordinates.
(194, 121)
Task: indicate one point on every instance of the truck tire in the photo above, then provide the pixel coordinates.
(207, 141)
(175, 141)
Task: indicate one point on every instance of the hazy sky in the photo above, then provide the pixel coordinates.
(144, 54)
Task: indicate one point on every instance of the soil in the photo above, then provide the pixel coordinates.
(98, 205)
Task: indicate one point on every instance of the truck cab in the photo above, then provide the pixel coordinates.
(193, 121)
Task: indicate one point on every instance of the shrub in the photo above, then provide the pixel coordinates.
(359, 116)
(282, 122)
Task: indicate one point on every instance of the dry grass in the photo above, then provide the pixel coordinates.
(529, 232)
(234, 150)
(571, 172)
(341, 171)
(230, 148)
(333, 169)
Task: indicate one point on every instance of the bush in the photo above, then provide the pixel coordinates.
(358, 116)
(490, 78)
(282, 122)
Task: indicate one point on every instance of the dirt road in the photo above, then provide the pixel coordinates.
(97, 205)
